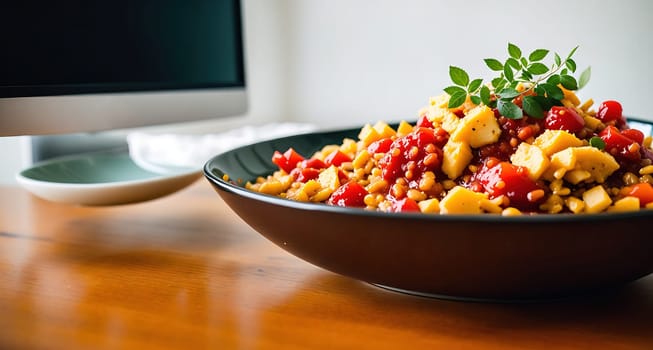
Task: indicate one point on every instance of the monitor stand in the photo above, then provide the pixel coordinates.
(44, 147)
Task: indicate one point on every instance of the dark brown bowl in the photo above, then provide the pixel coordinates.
(475, 257)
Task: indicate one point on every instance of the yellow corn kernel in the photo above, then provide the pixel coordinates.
(629, 203)
(492, 206)
(271, 187)
(349, 147)
(377, 186)
(553, 204)
(370, 201)
(300, 196)
(586, 105)
(448, 184)
(368, 135)
(647, 141)
(570, 96)
(384, 130)
(511, 211)
(416, 195)
(646, 170)
(593, 123)
(310, 187)
(321, 195)
(361, 159)
(429, 206)
(404, 128)
(574, 204)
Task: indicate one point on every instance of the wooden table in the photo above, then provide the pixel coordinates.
(185, 272)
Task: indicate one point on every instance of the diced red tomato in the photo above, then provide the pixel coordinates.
(417, 148)
(312, 163)
(510, 180)
(336, 158)
(563, 118)
(404, 205)
(288, 160)
(634, 135)
(351, 194)
(620, 146)
(342, 176)
(643, 191)
(611, 111)
(380, 146)
(305, 174)
(424, 122)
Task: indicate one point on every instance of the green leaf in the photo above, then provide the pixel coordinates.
(485, 95)
(507, 72)
(526, 76)
(508, 94)
(545, 102)
(537, 68)
(514, 51)
(475, 99)
(500, 84)
(573, 51)
(532, 107)
(552, 91)
(458, 76)
(523, 61)
(556, 59)
(564, 71)
(496, 81)
(474, 85)
(509, 110)
(569, 82)
(457, 99)
(538, 55)
(597, 142)
(494, 64)
(514, 63)
(571, 64)
(584, 77)
(454, 89)
(554, 79)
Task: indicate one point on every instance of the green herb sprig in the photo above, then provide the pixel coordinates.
(541, 83)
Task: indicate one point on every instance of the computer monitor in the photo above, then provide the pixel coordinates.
(76, 66)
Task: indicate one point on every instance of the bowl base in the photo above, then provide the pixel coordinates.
(476, 299)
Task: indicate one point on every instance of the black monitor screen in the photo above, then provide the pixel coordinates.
(91, 46)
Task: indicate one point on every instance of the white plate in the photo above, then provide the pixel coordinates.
(101, 178)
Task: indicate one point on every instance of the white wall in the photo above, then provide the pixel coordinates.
(348, 62)
(358, 61)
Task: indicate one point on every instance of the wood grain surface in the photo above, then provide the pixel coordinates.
(184, 272)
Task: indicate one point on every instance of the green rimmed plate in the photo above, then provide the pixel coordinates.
(101, 178)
